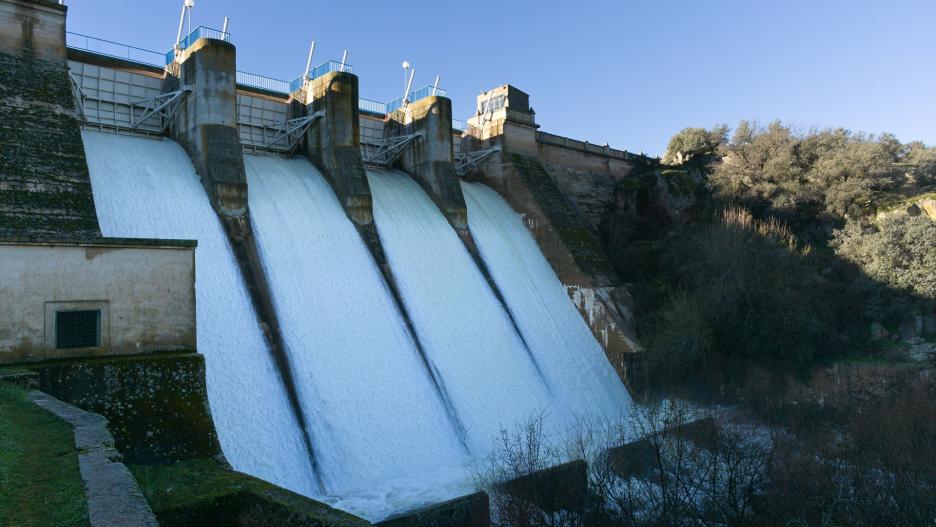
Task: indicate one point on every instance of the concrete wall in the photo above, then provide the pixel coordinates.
(33, 29)
(45, 190)
(145, 290)
(372, 129)
(585, 172)
(109, 91)
(258, 115)
(430, 159)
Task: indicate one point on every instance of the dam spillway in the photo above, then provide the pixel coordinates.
(468, 336)
(383, 439)
(148, 188)
(364, 340)
(376, 420)
(562, 343)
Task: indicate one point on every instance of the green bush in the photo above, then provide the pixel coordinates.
(898, 252)
(741, 292)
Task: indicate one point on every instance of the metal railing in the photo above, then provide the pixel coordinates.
(264, 83)
(113, 49)
(368, 105)
(318, 71)
(197, 33)
(415, 95)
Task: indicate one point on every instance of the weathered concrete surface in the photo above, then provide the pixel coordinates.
(333, 142)
(572, 249)
(206, 122)
(584, 172)
(45, 189)
(157, 405)
(114, 500)
(145, 290)
(430, 159)
(468, 511)
(33, 29)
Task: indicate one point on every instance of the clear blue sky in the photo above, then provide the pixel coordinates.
(627, 72)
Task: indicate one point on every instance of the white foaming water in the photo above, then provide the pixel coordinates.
(464, 329)
(148, 188)
(564, 346)
(381, 436)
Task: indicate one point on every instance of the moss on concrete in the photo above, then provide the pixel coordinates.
(203, 492)
(40, 483)
(574, 232)
(45, 189)
(156, 404)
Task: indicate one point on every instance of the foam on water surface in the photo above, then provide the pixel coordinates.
(464, 329)
(375, 417)
(558, 336)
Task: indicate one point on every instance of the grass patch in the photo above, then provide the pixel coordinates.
(40, 484)
(204, 490)
(187, 482)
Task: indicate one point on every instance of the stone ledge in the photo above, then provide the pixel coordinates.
(113, 496)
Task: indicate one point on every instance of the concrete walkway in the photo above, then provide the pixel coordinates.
(114, 500)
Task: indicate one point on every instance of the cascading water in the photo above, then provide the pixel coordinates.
(379, 427)
(570, 357)
(467, 334)
(389, 426)
(148, 188)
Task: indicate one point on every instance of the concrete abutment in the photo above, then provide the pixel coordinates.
(333, 142)
(430, 159)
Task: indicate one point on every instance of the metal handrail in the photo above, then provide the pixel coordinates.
(107, 48)
(197, 33)
(318, 71)
(415, 95)
(264, 83)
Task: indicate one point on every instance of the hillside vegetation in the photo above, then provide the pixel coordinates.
(790, 249)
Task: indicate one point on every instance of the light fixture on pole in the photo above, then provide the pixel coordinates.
(406, 67)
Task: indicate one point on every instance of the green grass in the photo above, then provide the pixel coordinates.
(186, 482)
(40, 484)
(200, 485)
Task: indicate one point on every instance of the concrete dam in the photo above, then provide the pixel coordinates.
(377, 294)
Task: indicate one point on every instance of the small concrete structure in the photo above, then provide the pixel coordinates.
(97, 297)
(333, 142)
(430, 160)
(467, 511)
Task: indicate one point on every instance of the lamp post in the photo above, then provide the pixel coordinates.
(406, 67)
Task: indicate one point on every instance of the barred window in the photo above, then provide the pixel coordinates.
(78, 329)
